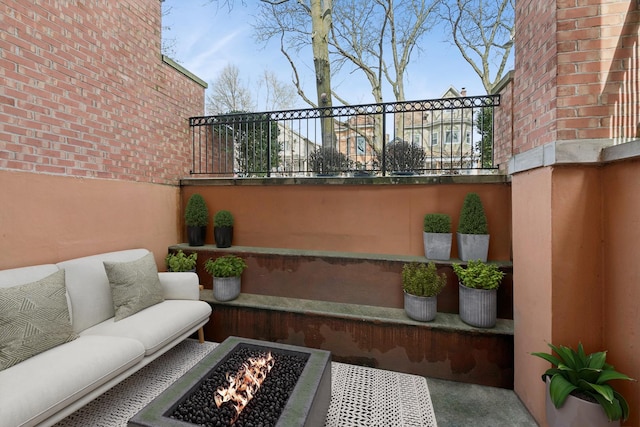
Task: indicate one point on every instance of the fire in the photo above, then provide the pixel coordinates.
(245, 383)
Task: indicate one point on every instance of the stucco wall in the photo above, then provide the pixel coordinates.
(384, 219)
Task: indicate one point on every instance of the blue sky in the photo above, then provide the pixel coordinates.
(208, 37)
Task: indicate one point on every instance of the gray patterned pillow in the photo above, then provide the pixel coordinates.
(34, 317)
(135, 285)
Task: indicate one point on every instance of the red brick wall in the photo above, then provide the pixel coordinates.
(503, 124)
(84, 92)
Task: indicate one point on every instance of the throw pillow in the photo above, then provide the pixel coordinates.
(135, 285)
(34, 317)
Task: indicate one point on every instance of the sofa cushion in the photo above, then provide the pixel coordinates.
(32, 391)
(88, 286)
(158, 325)
(34, 317)
(134, 285)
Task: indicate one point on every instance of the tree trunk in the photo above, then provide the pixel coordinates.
(321, 26)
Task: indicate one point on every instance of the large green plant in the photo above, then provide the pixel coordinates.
(402, 156)
(223, 219)
(196, 213)
(225, 266)
(437, 223)
(422, 279)
(328, 160)
(479, 275)
(473, 220)
(576, 372)
(180, 261)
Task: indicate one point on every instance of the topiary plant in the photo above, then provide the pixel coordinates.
(437, 223)
(327, 161)
(196, 213)
(223, 219)
(472, 217)
(479, 275)
(225, 266)
(422, 279)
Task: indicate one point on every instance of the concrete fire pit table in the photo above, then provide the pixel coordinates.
(307, 405)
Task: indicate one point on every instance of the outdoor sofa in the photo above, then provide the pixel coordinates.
(61, 319)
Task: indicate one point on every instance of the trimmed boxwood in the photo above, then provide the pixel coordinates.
(196, 213)
(437, 223)
(472, 217)
(223, 219)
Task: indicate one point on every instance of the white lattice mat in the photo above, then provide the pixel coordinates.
(359, 396)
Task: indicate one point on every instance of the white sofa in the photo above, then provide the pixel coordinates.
(45, 388)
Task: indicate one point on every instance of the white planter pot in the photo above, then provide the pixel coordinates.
(473, 247)
(422, 309)
(437, 245)
(577, 413)
(226, 288)
(478, 307)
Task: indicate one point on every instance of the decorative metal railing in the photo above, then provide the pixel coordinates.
(438, 136)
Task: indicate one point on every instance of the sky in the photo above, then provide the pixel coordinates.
(207, 37)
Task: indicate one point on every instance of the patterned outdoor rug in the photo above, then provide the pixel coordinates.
(360, 397)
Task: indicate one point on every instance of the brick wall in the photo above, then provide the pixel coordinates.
(84, 92)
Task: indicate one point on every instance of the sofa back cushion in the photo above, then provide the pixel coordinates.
(88, 286)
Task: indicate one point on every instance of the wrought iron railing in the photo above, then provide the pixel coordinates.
(438, 136)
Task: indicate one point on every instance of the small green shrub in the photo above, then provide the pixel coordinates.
(479, 275)
(422, 279)
(472, 217)
(575, 371)
(181, 262)
(328, 160)
(225, 266)
(196, 213)
(437, 223)
(223, 219)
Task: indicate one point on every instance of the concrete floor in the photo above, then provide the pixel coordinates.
(468, 405)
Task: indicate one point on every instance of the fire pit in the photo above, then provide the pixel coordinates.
(246, 382)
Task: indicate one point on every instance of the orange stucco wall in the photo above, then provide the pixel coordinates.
(575, 271)
(352, 218)
(46, 219)
(621, 276)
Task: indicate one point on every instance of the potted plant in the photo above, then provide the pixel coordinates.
(196, 217)
(437, 236)
(478, 297)
(578, 393)
(402, 157)
(226, 271)
(473, 232)
(223, 228)
(327, 161)
(421, 284)
(180, 261)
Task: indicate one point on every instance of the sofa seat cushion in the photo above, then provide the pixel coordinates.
(156, 326)
(40, 386)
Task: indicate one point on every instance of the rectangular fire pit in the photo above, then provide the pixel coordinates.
(307, 405)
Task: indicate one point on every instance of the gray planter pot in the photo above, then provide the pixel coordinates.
(437, 245)
(422, 309)
(226, 288)
(473, 247)
(577, 413)
(478, 307)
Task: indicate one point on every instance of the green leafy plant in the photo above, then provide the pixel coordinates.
(223, 219)
(225, 266)
(328, 160)
(479, 275)
(402, 156)
(577, 373)
(437, 223)
(196, 213)
(422, 279)
(473, 220)
(180, 261)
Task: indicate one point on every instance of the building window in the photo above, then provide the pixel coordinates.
(434, 138)
(468, 138)
(451, 137)
(417, 137)
(361, 146)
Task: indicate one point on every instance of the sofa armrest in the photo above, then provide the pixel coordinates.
(180, 285)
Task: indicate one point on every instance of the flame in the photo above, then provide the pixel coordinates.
(245, 383)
